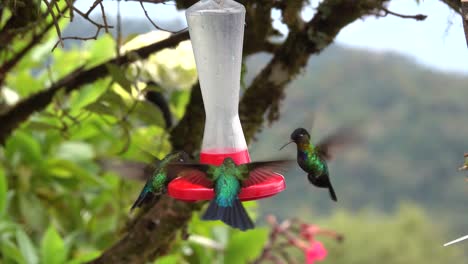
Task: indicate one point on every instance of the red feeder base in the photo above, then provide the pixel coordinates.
(183, 189)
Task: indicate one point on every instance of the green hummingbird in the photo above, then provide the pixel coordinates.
(227, 180)
(313, 158)
(156, 185)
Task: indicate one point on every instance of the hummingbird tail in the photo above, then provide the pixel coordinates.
(235, 216)
(323, 181)
(142, 199)
(332, 193)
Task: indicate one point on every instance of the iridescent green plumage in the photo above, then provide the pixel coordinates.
(227, 180)
(313, 159)
(156, 185)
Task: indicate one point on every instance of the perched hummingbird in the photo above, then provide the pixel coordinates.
(313, 159)
(227, 180)
(156, 185)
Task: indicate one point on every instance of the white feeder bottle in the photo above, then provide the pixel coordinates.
(217, 31)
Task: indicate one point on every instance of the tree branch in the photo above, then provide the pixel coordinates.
(20, 112)
(152, 233)
(418, 17)
(266, 90)
(454, 4)
(8, 65)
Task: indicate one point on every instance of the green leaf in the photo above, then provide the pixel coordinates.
(169, 259)
(88, 95)
(179, 101)
(26, 247)
(118, 75)
(40, 126)
(3, 192)
(245, 246)
(61, 168)
(7, 227)
(101, 49)
(10, 251)
(149, 113)
(32, 211)
(23, 146)
(53, 250)
(85, 257)
(100, 108)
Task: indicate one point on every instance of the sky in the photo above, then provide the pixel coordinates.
(438, 42)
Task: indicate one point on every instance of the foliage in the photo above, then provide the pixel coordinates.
(406, 237)
(56, 204)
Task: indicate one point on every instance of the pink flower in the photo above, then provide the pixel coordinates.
(315, 251)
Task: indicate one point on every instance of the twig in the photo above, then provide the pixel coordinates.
(97, 2)
(418, 17)
(54, 18)
(69, 6)
(154, 24)
(85, 16)
(78, 38)
(104, 19)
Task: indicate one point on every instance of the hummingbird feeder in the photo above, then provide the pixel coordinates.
(216, 30)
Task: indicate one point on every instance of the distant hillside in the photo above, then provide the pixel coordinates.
(416, 132)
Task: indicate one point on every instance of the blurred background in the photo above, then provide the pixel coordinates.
(400, 194)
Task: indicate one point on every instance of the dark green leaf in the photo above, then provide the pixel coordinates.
(88, 95)
(118, 75)
(149, 113)
(23, 146)
(40, 126)
(100, 108)
(11, 252)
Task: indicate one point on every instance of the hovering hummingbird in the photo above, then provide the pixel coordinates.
(156, 185)
(313, 158)
(227, 180)
(156, 174)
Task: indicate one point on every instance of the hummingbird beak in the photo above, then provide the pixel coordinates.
(286, 145)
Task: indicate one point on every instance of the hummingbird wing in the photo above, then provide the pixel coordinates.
(133, 170)
(340, 138)
(257, 172)
(194, 172)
